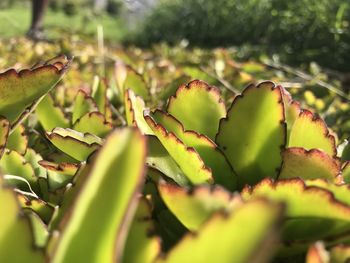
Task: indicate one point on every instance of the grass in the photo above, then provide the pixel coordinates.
(15, 22)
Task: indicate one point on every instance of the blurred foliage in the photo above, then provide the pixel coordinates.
(301, 30)
(164, 68)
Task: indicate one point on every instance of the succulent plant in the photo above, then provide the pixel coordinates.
(191, 182)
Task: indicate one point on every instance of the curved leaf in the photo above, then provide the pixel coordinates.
(18, 90)
(254, 132)
(291, 110)
(208, 151)
(311, 132)
(198, 107)
(75, 144)
(194, 207)
(118, 173)
(312, 212)
(312, 164)
(237, 237)
(186, 157)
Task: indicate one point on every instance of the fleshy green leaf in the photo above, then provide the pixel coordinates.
(15, 234)
(311, 132)
(159, 158)
(195, 207)
(99, 94)
(134, 108)
(135, 82)
(18, 90)
(208, 151)
(253, 133)
(198, 107)
(102, 236)
(75, 144)
(18, 140)
(40, 231)
(186, 157)
(83, 104)
(312, 212)
(312, 164)
(141, 244)
(51, 115)
(237, 237)
(34, 158)
(94, 123)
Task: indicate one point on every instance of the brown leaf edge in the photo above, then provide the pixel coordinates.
(52, 135)
(261, 249)
(58, 167)
(171, 136)
(197, 84)
(99, 115)
(315, 118)
(333, 161)
(248, 89)
(193, 133)
(329, 196)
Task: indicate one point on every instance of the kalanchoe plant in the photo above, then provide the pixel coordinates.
(260, 182)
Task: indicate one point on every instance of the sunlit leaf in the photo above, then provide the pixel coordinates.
(94, 123)
(18, 140)
(198, 107)
(253, 133)
(102, 237)
(311, 132)
(83, 104)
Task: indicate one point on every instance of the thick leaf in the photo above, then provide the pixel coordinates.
(311, 132)
(133, 80)
(15, 234)
(195, 207)
(115, 179)
(237, 237)
(134, 108)
(83, 104)
(253, 133)
(141, 244)
(75, 144)
(198, 107)
(51, 115)
(312, 212)
(4, 133)
(40, 231)
(209, 152)
(63, 168)
(159, 158)
(94, 123)
(12, 163)
(186, 157)
(312, 164)
(18, 140)
(346, 172)
(18, 90)
(171, 88)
